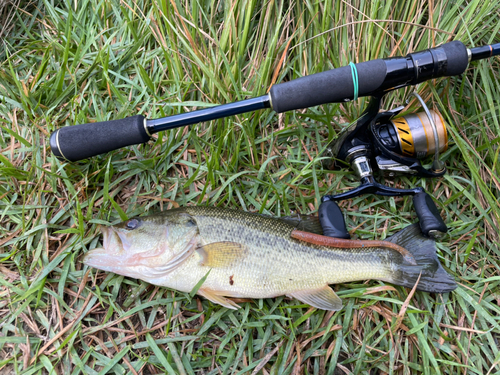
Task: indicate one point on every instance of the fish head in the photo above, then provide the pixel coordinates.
(138, 246)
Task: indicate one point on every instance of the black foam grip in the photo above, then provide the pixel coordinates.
(83, 141)
(428, 214)
(332, 220)
(332, 86)
(458, 59)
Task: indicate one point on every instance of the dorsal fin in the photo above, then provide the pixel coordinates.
(306, 223)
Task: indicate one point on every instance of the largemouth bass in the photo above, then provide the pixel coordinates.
(254, 256)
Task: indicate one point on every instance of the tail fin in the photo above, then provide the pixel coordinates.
(434, 278)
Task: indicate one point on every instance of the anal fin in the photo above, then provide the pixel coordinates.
(218, 298)
(323, 298)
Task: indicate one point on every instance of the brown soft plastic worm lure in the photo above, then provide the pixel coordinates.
(318, 239)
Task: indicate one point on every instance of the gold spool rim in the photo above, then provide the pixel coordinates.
(445, 147)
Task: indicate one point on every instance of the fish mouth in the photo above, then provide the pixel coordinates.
(113, 255)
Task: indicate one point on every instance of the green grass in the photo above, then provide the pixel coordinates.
(65, 63)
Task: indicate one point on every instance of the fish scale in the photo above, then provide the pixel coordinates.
(248, 255)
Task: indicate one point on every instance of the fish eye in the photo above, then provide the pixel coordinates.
(132, 224)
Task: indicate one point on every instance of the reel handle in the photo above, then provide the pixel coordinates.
(72, 143)
(431, 223)
(332, 219)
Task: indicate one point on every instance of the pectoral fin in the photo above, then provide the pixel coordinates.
(216, 297)
(221, 254)
(323, 298)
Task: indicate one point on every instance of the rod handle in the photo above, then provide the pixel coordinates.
(373, 77)
(431, 223)
(77, 142)
(331, 86)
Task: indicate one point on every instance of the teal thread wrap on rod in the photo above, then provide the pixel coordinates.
(355, 82)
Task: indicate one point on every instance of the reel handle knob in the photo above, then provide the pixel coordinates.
(332, 220)
(431, 223)
(73, 143)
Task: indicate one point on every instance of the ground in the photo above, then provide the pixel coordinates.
(67, 63)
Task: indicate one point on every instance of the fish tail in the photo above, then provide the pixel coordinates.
(433, 277)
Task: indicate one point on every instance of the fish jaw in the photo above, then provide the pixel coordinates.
(99, 258)
(113, 256)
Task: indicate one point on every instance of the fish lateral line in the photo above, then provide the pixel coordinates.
(318, 239)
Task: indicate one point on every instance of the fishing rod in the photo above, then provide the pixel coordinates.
(396, 145)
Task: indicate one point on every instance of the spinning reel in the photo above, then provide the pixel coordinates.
(395, 145)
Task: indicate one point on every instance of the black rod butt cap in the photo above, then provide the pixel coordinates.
(54, 146)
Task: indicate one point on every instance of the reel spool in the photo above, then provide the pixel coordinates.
(412, 135)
